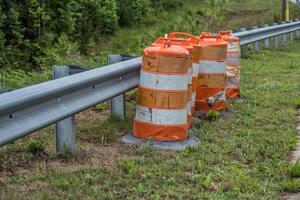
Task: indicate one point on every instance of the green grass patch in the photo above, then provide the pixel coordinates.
(297, 103)
(295, 170)
(292, 186)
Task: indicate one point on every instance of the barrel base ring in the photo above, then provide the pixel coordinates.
(190, 142)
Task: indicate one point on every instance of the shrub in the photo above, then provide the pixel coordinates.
(167, 4)
(97, 17)
(135, 12)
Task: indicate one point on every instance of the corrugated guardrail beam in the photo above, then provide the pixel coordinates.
(29, 109)
(26, 110)
(254, 35)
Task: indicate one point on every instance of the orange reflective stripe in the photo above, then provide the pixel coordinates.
(197, 52)
(162, 99)
(216, 53)
(160, 132)
(194, 83)
(190, 92)
(212, 80)
(163, 64)
(233, 93)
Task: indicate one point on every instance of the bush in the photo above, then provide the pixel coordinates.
(167, 4)
(97, 17)
(135, 12)
(35, 146)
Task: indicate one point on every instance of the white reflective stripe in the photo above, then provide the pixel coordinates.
(233, 46)
(189, 106)
(160, 116)
(163, 81)
(233, 59)
(195, 69)
(190, 73)
(194, 98)
(212, 67)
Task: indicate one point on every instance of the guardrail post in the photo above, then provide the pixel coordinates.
(292, 34)
(297, 32)
(267, 41)
(284, 36)
(117, 104)
(256, 44)
(64, 129)
(244, 48)
(275, 39)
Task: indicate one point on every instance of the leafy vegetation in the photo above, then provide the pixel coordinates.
(213, 115)
(295, 170)
(36, 35)
(35, 146)
(297, 103)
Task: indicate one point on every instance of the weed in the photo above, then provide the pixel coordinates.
(213, 115)
(35, 146)
(297, 104)
(101, 106)
(129, 167)
(295, 170)
(290, 185)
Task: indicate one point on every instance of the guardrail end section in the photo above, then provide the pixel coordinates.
(64, 129)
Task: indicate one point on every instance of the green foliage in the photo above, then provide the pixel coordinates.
(213, 115)
(290, 185)
(297, 103)
(135, 12)
(101, 106)
(295, 170)
(97, 17)
(129, 167)
(161, 5)
(35, 146)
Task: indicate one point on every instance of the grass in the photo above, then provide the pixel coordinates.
(295, 170)
(241, 157)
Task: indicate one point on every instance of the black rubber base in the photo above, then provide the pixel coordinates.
(190, 142)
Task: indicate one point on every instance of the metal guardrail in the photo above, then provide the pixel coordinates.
(29, 109)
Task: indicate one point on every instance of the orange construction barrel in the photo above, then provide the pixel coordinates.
(233, 65)
(161, 112)
(212, 74)
(194, 42)
(184, 44)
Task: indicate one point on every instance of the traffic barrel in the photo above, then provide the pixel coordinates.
(161, 112)
(233, 65)
(212, 74)
(184, 44)
(194, 42)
